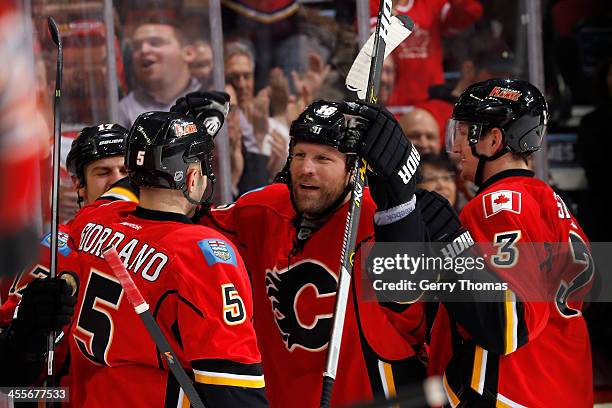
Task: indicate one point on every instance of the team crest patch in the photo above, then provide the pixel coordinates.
(184, 129)
(502, 200)
(62, 243)
(217, 251)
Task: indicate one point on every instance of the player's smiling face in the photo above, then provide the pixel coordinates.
(318, 176)
(461, 154)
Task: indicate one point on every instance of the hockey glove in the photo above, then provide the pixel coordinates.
(441, 220)
(203, 106)
(389, 153)
(46, 305)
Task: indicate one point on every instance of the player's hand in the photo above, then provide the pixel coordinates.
(202, 105)
(389, 153)
(46, 305)
(440, 218)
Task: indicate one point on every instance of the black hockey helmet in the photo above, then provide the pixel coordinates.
(516, 107)
(162, 145)
(94, 143)
(322, 122)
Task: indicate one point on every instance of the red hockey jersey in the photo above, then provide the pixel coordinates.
(197, 289)
(520, 353)
(67, 261)
(419, 57)
(294, 292)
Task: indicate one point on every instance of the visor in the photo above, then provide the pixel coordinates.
(458, 131)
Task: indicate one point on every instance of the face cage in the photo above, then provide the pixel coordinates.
(459, 130)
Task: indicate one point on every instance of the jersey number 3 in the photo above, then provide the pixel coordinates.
(94, 331)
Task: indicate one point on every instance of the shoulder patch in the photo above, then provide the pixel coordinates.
(502, 200)
(217, 251)
(62, 243)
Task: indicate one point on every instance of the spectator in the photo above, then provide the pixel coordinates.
(387, 79)
(439, 175)
(234, 133)
(420, 56)
(161, 59)
(254, 111)
(422, 129)
(202, 65)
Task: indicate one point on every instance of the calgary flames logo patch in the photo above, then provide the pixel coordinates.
(302, 299)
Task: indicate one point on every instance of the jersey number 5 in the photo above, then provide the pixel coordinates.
(233, 307)
(94, 331)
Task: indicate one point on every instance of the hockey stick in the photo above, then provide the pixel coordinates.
(357, 80)
(142, 309)
(57, 143)
(352, 221)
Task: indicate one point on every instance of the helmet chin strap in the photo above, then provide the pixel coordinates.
(482, 160)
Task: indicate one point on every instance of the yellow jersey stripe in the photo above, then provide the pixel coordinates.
(450, 394)
(122, 192)
(388, 379)
(479, 369)
(232, 380)
(511, 323)
(505, 402)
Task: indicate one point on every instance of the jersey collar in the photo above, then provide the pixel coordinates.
(155, 215)
(504, 174)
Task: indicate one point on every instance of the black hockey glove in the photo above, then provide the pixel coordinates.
(441, 220)
(46, 305)
(389, 153)
(204, 106)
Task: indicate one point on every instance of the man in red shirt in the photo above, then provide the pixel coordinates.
(192, 276)
(521, 351)
(419, 58)
(290, 235)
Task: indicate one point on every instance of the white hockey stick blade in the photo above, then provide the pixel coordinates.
(400, 28)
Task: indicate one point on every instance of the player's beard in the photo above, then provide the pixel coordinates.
(313, 204)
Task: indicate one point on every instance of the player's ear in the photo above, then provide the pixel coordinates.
(191, 178)
(495, 141)
(76, 183)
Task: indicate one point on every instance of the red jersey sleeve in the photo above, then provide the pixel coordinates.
(215, 314)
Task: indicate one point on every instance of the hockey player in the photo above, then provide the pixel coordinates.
(290, 235)
(193, 278)
(516, 352)
(96, 163)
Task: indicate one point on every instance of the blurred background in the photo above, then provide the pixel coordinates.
(125, 57)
